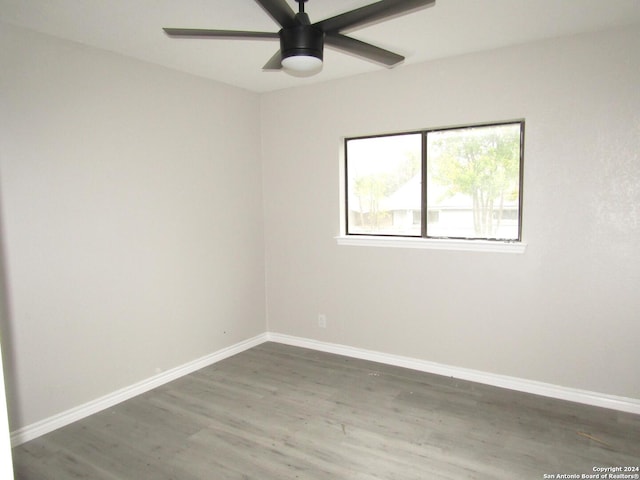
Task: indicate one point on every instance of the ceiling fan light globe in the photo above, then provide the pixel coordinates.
(302, 64)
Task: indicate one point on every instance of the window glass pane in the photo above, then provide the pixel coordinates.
(473, 180)
(384, 185)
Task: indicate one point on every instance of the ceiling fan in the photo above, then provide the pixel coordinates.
(302, 42)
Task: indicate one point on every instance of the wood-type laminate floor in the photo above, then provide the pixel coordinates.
(281, 412)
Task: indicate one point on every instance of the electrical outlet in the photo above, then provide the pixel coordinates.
(322, 320)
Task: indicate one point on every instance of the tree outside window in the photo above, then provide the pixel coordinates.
(472, 188)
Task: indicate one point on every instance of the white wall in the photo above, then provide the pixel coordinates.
(132, 212)
(567, 311)
(6, 465)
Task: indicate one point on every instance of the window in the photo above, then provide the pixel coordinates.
(454, 183)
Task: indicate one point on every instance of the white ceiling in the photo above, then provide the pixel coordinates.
(451, 27)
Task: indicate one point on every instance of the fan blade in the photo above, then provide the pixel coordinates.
(370, 13)
(362, 49)
(274, 63)
(280, 11)
(202, 33)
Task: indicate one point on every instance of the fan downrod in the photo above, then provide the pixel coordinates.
(301, 5)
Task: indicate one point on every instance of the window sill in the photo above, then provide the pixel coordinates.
(432, 243)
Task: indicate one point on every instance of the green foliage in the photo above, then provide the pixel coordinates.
(481, 163)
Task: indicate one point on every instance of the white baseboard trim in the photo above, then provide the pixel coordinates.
(62, 419)
(67, 417)
(596, 399)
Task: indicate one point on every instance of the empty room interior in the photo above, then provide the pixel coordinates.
(194, 286)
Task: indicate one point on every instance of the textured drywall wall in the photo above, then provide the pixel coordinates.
(132, 215)
(566, 312)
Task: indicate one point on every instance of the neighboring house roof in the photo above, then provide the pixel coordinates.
(409, 197)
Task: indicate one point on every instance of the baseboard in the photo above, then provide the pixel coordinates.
(62, 419)
(67, 417)
(586, 397)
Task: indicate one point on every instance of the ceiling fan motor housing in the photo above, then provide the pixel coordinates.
(301, 40)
